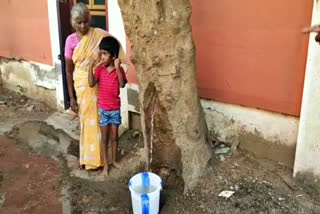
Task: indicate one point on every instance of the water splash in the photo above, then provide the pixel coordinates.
(151, 131)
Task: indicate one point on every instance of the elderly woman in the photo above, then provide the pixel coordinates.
(81, 49)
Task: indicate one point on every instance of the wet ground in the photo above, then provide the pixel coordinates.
(28, 183)
(38, 174)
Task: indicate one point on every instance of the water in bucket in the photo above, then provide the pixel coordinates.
(145, 193)
(144, 190)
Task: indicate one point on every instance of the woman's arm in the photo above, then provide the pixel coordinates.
(70, 68)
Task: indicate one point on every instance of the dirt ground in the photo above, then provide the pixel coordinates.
(28, 182)
(35, 177)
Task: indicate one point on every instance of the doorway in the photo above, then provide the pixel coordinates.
(99, 17)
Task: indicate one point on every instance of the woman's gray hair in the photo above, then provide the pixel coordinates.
(79, 10)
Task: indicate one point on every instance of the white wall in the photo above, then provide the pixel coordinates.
(267, 134)
(116, 25)
(55, 48)
(308, 147)
(116, 28)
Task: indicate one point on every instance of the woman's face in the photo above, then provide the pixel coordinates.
(81, 24)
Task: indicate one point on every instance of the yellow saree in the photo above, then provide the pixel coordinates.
(90, 137)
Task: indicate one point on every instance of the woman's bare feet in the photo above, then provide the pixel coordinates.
(81, 167)
(116, 165)
(105, 172)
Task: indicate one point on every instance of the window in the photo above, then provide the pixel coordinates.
(97, 10)
(82, 1)
(98, 4)
(98, 19)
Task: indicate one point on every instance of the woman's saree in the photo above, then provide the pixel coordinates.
(86, 51)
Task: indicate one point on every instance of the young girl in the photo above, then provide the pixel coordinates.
(110, 77)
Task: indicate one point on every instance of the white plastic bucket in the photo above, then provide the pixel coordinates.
(145, 193)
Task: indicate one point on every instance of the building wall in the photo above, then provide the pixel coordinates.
(34, 80)
(252, 52)
(273, 72)
(308, 145)
(266, 134)
(26, 57)
(25, 30)
(248, 57)
(250, 68)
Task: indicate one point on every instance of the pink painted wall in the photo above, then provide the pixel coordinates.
(25, 30)
(252, 53)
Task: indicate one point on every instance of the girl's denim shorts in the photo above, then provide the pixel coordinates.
(106, 117)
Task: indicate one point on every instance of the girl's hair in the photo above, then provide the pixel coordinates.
(79, 9)
(111, 45)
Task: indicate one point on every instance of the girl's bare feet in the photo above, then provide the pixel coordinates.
(116, 165)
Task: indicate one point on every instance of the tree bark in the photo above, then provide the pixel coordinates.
(173, 123)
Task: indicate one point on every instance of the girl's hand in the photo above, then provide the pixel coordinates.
(95, 63)
(98, 61)
(125, 61)
(117, 63)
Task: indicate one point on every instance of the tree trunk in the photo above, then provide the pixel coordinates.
(163, 53)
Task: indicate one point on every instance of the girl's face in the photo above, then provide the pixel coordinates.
(106, 57)
(81, 24)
